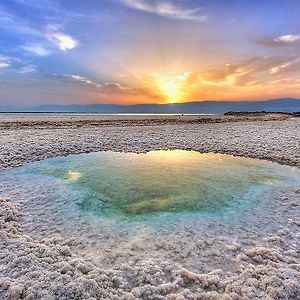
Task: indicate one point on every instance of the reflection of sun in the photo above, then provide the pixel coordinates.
(73, 175)
(183, 156)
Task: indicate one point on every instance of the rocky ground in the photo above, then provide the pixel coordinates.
(50, 268)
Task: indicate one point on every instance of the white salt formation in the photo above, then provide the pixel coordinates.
(48, 269)
(256, 257)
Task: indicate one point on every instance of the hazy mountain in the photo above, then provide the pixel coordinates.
(205, 107)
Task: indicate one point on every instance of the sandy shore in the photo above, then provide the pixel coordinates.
(262, 266)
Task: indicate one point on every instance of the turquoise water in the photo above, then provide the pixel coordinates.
(111, 184)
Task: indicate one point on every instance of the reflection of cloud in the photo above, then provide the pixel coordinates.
(165, 9)
(269, 182)
(73, 175)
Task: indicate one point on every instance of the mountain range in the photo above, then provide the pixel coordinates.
(203, 107)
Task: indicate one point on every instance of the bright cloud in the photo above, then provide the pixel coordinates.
(84, 80)
(165, 9)
(288, 66)
(63, 41)
(107, 87)
(279, 41)
(289, 38)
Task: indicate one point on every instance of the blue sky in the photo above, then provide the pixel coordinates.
(142, 51)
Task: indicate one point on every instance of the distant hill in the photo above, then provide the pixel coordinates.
(205, 107)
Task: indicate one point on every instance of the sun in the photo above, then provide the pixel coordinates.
(171, 88)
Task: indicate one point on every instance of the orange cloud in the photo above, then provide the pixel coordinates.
(255, 78)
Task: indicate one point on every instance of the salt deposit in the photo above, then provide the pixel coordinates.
(257, 257)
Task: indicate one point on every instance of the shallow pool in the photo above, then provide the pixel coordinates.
(130, 185)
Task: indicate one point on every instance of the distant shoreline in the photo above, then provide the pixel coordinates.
(281, 105)
(107, 114)
(229, 113)
(255, 113)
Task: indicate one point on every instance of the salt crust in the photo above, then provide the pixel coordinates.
(31, 269)
(49, 269)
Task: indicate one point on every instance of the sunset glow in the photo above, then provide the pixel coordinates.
(172, 88)
(143, 51)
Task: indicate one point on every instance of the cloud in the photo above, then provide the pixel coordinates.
(248, 77)
(41, 36)
(37, 49)
(16, 24)
(111, 88)
(51, 9)
(84, 80)
(292, 65)
(15, 64)
(250, 71)
(4, 62)
(41, 4)
(280, 41)
(165, 9)
(27, 69)
(63, 41)
(4, 65)
(108, 87)
(289, 38)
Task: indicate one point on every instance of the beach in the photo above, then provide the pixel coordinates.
(257, 258)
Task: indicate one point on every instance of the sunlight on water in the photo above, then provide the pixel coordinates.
(129, 184)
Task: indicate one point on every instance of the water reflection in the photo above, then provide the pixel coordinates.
(128, 184)
(73, 175)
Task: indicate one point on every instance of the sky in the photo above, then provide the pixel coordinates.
(147, 51)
